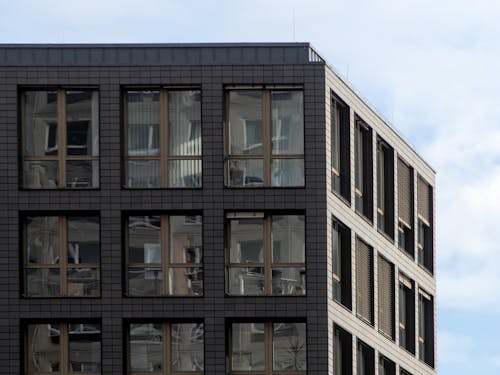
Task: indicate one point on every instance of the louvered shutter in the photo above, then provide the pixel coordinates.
(385, 297)
(404, 193)
(423, 199)
(364, 277)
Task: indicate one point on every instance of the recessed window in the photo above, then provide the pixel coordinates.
(386, 366)
(385, 188)
(425, 328)
(63, 348)
(341, 263)
(164, 255)
(364, 281)
(365, 359)
(406, 313)
(268, 348)
(340, 143)
(363, 169)
(265, 138)
(342, 351)
(166, 348)
(265, 254)
(61, 256)
(163, 138)
(425, 246)
(405, 207)
(386, 297)
(404, 372)
(60, 138)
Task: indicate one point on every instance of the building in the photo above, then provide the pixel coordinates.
(215, 208)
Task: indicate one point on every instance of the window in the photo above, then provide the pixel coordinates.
(364, 281)
(424, 203)
(342, 351)
(386, 366)
(268, 348)
(340, 143)
(265, 254)
(365, 359)
(61, 256)
(405, 207)
(363, 169)
(165, 348)
(406, 313)
(404, 372)
(385, 188)
(265, 137)
(386, 297)
(341, 263)
(425, 328)
(163, 138)
(60, 138)
(63, 348)
(164, 255)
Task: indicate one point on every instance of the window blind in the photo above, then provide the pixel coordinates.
(364, 281)
(385, 297)
(423, 199)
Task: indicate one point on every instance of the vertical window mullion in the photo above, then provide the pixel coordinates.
(268, 347)
(63, 254)
(167, 362)
(163, 138)
(267, 136)
(61, 136)
(267, 255)
(165, 252)
(64, 347)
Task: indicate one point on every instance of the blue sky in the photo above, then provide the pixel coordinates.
(430, 67)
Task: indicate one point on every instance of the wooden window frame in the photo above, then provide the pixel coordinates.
(166, 265)
(62, 156)
(268, 351)
(64, 354)
(267, 263)
(63, 266)
(164, 156)
(267, 155)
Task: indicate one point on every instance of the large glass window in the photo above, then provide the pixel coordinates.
(60, 138)
(163, 138)
(268, 348)
(405, 207)
(342, 351)
(363, 169)
(61, 256)
(63, 348)
(424, 243)
(406, 313)
(385, 188)
(265, 138)
(164, 255)
(365, 359)
(340, 144)
(166, 348)
(341, 263)
(425, 328)
(265, 254)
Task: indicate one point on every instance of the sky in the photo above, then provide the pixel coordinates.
(431, 68)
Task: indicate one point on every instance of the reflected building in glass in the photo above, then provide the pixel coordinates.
(213, 209)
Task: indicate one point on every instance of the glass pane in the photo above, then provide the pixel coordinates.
(84, 347)
(185, 239)
(184, 173)
(287, 122)
(144, 244)
(247, 240)
(82, 174)
(83, 239)
(288, 239)
(43, 348)
(184, 121)
(336, 261)
(143, 174)
(40, 113)
(143, 118)
(246, 281)
(289, 281)
(42, 282)
(146, 347)
(246, 173)
(247, 352)
(287, 172)
(145, 282)
(82, 121)
(187, 347)
(41, 174)
(186, 281)
(42, 239)
(245, 122)
(289, 347)
(83, 282)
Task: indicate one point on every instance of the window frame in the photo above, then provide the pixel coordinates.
(62, 158)
(371, 281)
(406, 286)
(385, 188)
(163, 156)
(344, 338)
(425, 248)
(425, 336)
(406, 232)
(340, 148)
(267, 155)
(344, 257)
(165, 251)
(363, 169)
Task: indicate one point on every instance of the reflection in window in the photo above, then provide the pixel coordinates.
(266, 254)
(268, 348)
(60, 139)
(163, 138)
(61, 256)
(265, 138)
(164, 255)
